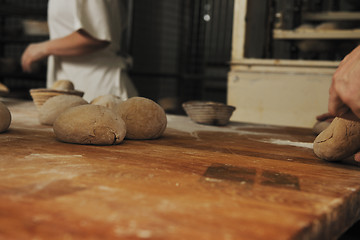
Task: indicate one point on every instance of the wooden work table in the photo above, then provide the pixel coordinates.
(198, 182)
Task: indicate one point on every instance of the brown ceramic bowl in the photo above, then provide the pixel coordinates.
(208, 112)
(41, 95)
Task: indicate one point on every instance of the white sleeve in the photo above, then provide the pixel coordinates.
(94, 16)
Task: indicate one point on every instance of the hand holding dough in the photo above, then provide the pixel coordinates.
(89, 124)
(5, 118)
(338, 141)
(144, 118)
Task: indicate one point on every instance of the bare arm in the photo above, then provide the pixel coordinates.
(76, 44)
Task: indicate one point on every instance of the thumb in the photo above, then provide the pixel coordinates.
(357, 157)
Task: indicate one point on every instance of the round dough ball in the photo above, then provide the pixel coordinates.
(109, 101)
(53, 107)
(5, 117)
(327, 26)
(304, 27)
(144, 118)
(63, 85)
(89, 124)
(338, 141)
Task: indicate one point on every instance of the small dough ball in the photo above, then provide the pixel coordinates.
(304, 27)
(327, 26)
(109, 101)
(144, 118)
(89, 124)
(53, 107)
(338, 141)
(320, 126)
(5, 117)
(64, 85)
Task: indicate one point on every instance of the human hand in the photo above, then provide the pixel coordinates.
(328, 117)
(344, 93)
(34, 52)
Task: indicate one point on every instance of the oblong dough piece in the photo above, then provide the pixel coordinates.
(53, 107)
(109, 101)
(5, 117)
(338, 141)
(89, 124)
(144, 118)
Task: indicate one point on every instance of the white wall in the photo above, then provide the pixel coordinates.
(287, 99)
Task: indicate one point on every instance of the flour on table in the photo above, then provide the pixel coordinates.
(185, 124)
(289, 143)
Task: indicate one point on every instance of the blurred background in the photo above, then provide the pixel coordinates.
(180, 48)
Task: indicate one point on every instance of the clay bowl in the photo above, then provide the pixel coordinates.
(41, 95)
(208, 112)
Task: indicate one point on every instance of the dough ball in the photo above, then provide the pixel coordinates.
(327, 26)
(304, 27)
(89, 124)
(109, 101)
(64, 85)
(5, 117)
(320, 126)
(338, 141)
(53, 107)
(144, 118)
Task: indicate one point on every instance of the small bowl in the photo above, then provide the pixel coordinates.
(41, 95)
(207, 112)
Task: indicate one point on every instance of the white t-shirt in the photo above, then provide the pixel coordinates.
(98, 73)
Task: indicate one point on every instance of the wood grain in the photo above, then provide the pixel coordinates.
(242, 181)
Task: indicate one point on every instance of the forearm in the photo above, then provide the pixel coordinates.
(75, 44)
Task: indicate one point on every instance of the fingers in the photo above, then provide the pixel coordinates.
(26, 61)
(339, 109)
(357, 157)
(26, 66)
(350, 116)
(325, 117)
(336, 106)
(34, 52)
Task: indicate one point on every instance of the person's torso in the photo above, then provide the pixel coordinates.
(63, 18)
